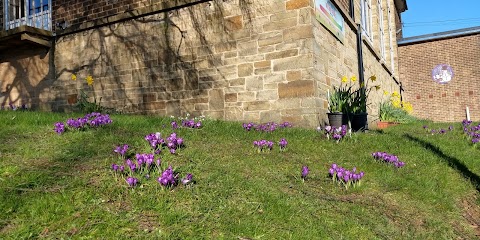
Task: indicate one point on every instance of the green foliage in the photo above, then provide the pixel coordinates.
(85, 106)
(339, 99)
(388, 112)
(63, 186)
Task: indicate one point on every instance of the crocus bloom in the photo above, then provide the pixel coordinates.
(187, 179)
(305, 172)
(132, 182)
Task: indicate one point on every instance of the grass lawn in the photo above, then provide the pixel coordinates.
(63, 186)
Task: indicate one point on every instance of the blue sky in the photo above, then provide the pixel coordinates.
(431, 16)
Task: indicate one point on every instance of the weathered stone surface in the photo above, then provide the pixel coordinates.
(234, 23)
(296, 89)
(292, 63)
(246, 96)
(254, 83)
(296, 4)
(256, 106)
(247, 48)
(201, 106)
(294, 75)
(262, 64)
(279, 25)
(282, 54)
(270, 116)
(299, 32)
(245, 69)
(266, 95)
(273, 38)
(216, 99)
(231, 97)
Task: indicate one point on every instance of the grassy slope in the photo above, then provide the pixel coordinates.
(61, 186)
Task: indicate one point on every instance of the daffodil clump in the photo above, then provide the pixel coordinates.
(83, 104)
(395, 110)
(348, 99)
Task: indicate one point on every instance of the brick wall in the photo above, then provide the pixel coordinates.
(442, 102)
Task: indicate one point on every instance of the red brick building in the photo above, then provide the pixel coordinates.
(440, 74)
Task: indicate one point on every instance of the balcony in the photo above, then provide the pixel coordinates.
(26, 22)
(33, 13)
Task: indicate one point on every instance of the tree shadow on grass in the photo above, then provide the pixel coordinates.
(451, 161)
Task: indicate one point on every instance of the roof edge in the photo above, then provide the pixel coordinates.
(440, 35)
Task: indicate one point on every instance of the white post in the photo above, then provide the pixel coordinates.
(468, 113)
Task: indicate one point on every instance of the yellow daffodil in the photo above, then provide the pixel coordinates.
(89, 80)
(374, 78)
(385, 93)
(395, 94)
(344, 79)
(353, 79)
(377, 87)
(74, 77)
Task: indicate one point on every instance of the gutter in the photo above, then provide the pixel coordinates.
(439, 36)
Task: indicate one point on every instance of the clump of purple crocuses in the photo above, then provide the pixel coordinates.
(438, 131)
(59, 128)
(121, 150)
(344, 176)
(472, 131)
(335, 133)
(90, 120)
(266, 127)
(172, 142)
(168, 178)
(131, 181)
(388, 158)
(14, 107)
(263, 145)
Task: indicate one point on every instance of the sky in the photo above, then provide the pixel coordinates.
(432, 16)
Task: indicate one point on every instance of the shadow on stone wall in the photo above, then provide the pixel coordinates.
(25, 74)
(163, 63)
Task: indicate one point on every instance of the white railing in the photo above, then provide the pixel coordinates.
(34, 13)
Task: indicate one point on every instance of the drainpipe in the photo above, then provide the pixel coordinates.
(361, 77)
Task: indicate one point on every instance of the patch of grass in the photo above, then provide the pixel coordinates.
(55, 186)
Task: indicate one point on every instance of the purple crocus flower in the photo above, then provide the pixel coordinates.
(187, 179)
(305, 172)
(132, 182)
(59, 128)
(114, 167)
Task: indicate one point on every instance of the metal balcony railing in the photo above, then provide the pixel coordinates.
(33, 13)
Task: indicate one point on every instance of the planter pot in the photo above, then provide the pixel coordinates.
(337, 119)
(359, 121)
(383, 125)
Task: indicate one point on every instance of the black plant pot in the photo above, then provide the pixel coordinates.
(337, 119)
(359, 121)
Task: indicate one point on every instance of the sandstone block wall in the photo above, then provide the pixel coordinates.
(442, 102)
(235, 60)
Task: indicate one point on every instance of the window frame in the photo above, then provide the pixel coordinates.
(366, 18)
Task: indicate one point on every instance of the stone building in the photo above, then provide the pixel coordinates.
(239, 60)
(439, 72)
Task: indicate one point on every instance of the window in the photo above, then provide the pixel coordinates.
(390, 35)
(35, 13)
(367, 18)
(381, 29)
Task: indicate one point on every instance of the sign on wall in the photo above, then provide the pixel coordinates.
(442, 73)
(329, 16)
